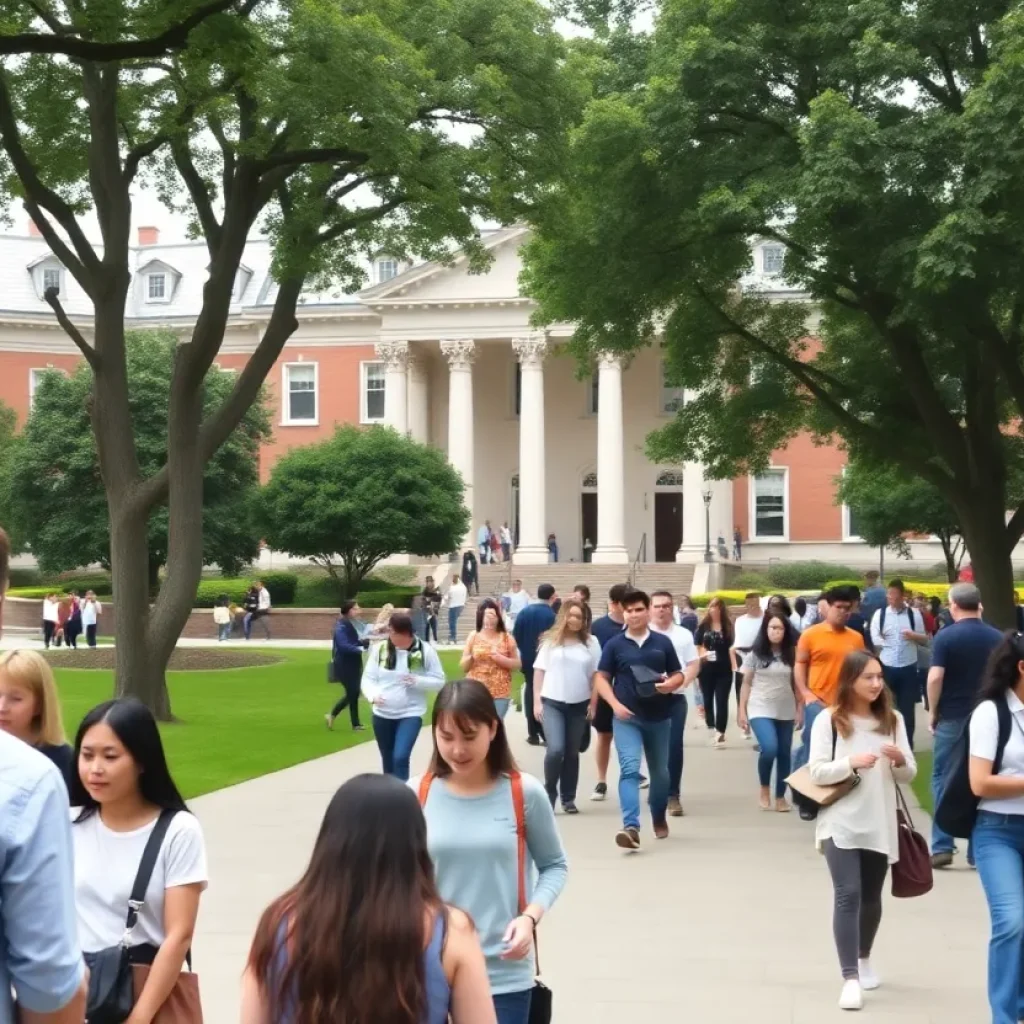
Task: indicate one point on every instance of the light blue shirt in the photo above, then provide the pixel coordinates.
(483, 536)
(39, 954)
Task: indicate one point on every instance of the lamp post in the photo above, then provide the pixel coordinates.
(706, 494)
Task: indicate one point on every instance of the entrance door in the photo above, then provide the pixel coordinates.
(588, 505)
(668, 525)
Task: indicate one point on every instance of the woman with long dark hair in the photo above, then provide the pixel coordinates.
(491, 655)
(121, 791)
(861, 734)
(998, 837)
(714, 642)
(768, 703)
(473, 797)
(399, 674)
(364, 935)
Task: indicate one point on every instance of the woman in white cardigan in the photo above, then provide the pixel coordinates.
(858, 834)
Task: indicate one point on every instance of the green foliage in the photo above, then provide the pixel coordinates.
(926, 587)
(58, 501)
(730, 597)
(8, 425)
(363, 495)
(800, 575)
(281, 586)
(751, 581)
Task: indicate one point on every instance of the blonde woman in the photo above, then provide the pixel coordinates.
(563, 684)
(30, 708)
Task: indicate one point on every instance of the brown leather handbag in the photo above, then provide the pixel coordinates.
(912, 873)
(182, 1006)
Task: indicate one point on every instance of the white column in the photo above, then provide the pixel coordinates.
(611, 497)
(533, 548)
(460, 355)
(419, 400)
(395, 356)
(692, 548)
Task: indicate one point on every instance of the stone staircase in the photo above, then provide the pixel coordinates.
(495, 580)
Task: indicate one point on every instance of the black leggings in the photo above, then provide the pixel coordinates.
(857, 879)
(49, 628)
(716, 690)
(350, 700)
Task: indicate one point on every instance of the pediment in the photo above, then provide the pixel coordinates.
(157, 266)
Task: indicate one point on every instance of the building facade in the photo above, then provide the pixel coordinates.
(451, 358)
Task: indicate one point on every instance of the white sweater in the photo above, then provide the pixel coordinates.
(403, 692)
(864, 819)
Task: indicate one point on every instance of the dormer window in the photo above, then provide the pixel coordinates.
(46, 272)
(772, 258)
(156, 283)
(386, 270)
(156, 287)
(51, 278)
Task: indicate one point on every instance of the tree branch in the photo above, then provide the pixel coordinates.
(52, 300)
(295, 157)
(197, 189)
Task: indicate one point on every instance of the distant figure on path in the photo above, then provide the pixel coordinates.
(470, 573)
(483, 541)
(553, 547)
(737, 544)
(91, 612)
(506, 542)
(455, 599)
(347, 656)
(531, 624)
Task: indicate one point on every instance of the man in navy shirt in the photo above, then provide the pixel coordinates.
(530, 625)
(637, 675)
(959, 656)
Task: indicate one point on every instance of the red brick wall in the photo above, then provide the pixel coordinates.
(14, 376)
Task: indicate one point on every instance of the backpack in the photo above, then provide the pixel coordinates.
(957, 807)
(910, 615)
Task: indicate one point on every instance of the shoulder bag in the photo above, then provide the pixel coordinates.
(912, 873)
(809, 796)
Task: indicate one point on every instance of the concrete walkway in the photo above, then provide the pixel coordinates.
(727, 921)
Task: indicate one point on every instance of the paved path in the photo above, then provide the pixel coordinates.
(727, 921)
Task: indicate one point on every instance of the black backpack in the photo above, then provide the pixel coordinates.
(957, 809)
(910, 615)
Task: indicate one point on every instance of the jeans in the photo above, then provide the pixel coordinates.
(947, 732)
(775, 738)
(350, 700)
(501, 705)
(513, 1007)
(263, 620)
(857, 880)
(999, 851)
(716, 690)
(903, 683)
(395, 738)
(224, 631)
(680, 706)
(565, 725)
(453, 623)
(533, 728)
(803, 754)
(634, 738)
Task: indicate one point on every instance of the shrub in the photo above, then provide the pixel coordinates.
(728, 596)
(812, 575)
(939, 590)
(400, 597)
(752, 581)
(281, 585)
(30, 593)
(25, 578)
(394, 575)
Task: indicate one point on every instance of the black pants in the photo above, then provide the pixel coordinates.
(857, 879)
(431, 628)
(90, 635)
(716, 690)
(350, 700)
(72, 633)
(49, 628)
(533, 727)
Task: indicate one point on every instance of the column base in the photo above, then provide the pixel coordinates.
(610, 556)
(531, 555)
(691, 554)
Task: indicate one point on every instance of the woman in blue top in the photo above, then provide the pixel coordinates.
(468, 800)
(364, 933)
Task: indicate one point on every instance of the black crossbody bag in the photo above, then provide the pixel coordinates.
(111, 992)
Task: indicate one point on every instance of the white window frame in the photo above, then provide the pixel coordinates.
(774, 246)
(44, 270)
(848, 536)
(752, 507)
(33, 383)
(148, 296)
(389, 261)
(286, 394)
(664, 390)
(364, 379)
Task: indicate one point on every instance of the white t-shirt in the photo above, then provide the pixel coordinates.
(747, 627)
(106, 864)
(264, 600)
(50, 609)
(682, 641)
(91, 611)
(456, 596)
(985, 739)
(517, 601)
(568, 670)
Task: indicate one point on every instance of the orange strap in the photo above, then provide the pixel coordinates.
(425, 782)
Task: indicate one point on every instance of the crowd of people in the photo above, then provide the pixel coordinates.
(66, 618)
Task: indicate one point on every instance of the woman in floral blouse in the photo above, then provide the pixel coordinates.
(490, 655)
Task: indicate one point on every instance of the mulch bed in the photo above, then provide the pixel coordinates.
(184, 659)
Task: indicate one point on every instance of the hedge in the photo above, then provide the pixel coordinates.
(281, 586)
(801, 575)
(939, 590)
(728, 596)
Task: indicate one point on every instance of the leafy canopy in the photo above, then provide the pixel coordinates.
(363, 495)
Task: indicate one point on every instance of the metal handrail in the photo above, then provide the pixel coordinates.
(641, 556)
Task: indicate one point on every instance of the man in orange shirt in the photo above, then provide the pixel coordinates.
(819, 657)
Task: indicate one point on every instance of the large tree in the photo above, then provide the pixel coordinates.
(55, 492)
(8, 426)
(361, 496)
(878, 145)
(342, 129)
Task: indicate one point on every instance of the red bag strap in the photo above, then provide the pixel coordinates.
(424, 790)
(519, 803)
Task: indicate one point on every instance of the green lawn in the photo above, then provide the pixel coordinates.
(240, 723)
(922, 784)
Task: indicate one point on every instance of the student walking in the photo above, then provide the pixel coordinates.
(475, 802)
(490, 654)
(365, 926)
(30, 708)
(125, 795)
(471, 572)
(431, 606)
(861, 734)
(768, 703)
(91, 612)
(530, 625)
(455, 599)
(399, 674)
(51, 607)
(257, 606)
(222, 617)
(563, 684)
(745, 631)
(714, 642)
(604, 629)
(347, 658)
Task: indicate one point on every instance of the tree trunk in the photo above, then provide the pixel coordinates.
(154, 576)
(952, 570)
(984, 531)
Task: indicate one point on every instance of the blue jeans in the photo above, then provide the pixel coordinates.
(803, 754)
(680, 706)
(775, 738)
(513, 1007)
(453, 623)
(903, 683)
(565, 725)
(999, 850)
(224, 631)
(947, 732)
(634, 738)
(501, 704)
(395, 738)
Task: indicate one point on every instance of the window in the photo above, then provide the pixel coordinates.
(386, 270)
(156, 287)
(850, 523)
(373, 393)
(672, 398)
(593, 395)
(669, 478)
(517, 388)
(51, 278)
(300, 404)
(34, 379)
(772, 258)
(770, 505)
(590, 481)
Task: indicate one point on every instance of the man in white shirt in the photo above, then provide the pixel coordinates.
(261, 613)
(91, 611)
(51, 607)
(746, 627)
(483, 542)
(455, 599)
(517, 600)
(896, 632)
(662, 608)
(506, 542)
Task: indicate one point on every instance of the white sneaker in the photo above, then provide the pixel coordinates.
(869, 980)
(851, 998)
